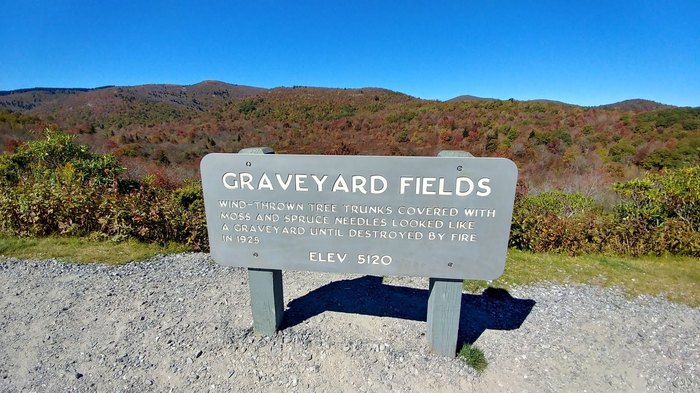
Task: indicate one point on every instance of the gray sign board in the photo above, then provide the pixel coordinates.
(444, 217)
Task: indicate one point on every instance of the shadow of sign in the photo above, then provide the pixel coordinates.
(494, 309)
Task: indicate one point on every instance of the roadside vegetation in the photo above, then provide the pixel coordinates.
(657, 214)
(58, 199)
(56, 187)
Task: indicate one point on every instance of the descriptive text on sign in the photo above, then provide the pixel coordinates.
(445, 217)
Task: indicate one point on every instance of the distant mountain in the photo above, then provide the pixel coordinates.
(206, 95)
(53, 90)
(636, 105)
(554, 102)
(469, 98)
(25, 100)
(198, 97)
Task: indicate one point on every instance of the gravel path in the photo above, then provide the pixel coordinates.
(181, 323)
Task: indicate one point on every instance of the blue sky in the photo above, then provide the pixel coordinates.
(581, 52)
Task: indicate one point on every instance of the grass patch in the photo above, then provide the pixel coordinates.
(83, 250)
(474, 357)
(676, 278)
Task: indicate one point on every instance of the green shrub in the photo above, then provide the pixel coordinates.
(57, 187)
(663, 158)
(659, 213)
(658, 197)
(193, 223)
(247, 106)
(621, 151)
(687, 118)
(556, 221)
(402, 137)
(43, 159)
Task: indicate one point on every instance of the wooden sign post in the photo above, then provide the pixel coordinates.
(266, 289)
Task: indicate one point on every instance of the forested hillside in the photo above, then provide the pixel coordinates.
(621, 178)
(54, 186)
(164, 130)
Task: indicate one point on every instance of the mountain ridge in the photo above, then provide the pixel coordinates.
(38, 95)
(637, 105)
(196, 96)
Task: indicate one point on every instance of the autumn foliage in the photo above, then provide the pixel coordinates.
(55, 186)
(165, 129)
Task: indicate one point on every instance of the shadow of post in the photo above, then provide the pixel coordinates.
(494, 309)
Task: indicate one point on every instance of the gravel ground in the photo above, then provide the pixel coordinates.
(181, 323)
